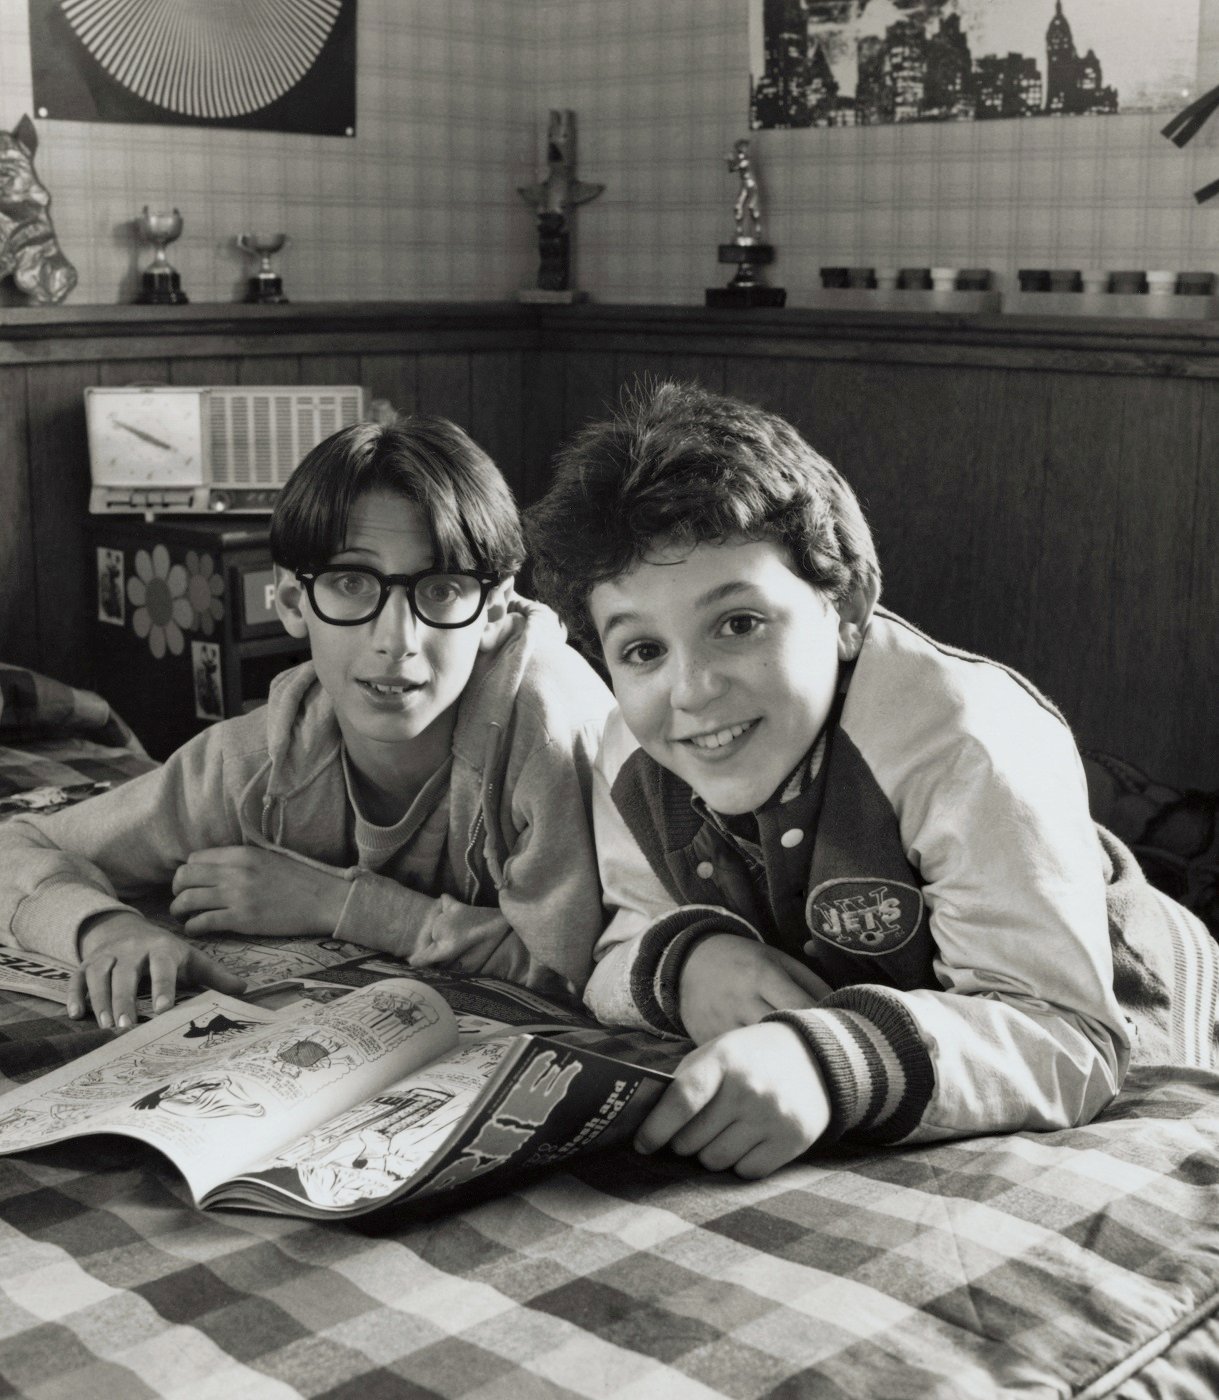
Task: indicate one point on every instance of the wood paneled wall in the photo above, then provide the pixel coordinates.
(1042, 492)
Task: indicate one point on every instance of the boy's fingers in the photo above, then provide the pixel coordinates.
(761, 1161)
(97, 978)
(163, 978)
(193, 899)
(729, 1147)
(76, 993)
(124, 982)
(210, 921)
(207, 972)
(191, 877)
(692, 1089)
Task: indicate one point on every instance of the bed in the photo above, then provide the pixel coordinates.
(1081, 1263)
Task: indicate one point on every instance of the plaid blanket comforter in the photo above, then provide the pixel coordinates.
(1081, 1263)
(59, 744)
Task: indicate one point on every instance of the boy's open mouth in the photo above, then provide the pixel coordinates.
(389, 688)
(718, 739)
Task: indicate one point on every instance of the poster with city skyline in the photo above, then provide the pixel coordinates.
(870, 62)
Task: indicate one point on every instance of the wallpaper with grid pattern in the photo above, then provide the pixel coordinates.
(420, 204)
(662, 91)
(452, 101)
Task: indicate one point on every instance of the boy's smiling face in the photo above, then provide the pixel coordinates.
(724, 662)
(394, 680)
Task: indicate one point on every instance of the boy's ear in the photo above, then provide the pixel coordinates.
(289, 602)
(854, 616)
(497, 616)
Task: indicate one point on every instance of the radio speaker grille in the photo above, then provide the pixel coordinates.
(258, 436)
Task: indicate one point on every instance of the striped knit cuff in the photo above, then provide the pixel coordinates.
(878, 1072)
(662, 952)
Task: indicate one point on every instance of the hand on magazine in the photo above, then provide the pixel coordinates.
(750, 1100)
(729, 981)
(118, 950)
(245, 889)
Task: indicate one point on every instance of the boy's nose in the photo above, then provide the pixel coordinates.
(695, 682)
(396, 628)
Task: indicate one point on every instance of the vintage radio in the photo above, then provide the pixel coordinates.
(160, 448)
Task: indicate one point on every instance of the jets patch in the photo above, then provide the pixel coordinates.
(864, 916)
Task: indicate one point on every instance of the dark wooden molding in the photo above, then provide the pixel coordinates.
(44, 335)
(1128, 345)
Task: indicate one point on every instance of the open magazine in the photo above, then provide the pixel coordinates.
(336, 1095)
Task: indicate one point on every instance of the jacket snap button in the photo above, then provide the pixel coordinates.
(705, 870)
(791, 838)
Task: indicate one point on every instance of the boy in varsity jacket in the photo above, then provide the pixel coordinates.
(856, 867)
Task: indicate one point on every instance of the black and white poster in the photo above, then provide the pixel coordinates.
(268, 65)
(873, 62)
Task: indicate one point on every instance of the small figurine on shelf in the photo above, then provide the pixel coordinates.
(747, 250)
(28, 246)
(554, 200)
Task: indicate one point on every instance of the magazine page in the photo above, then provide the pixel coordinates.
(498, 1002)
(371, 1151)
(34, 975)
(259, 960)
(217, 1083)
(510, 1104)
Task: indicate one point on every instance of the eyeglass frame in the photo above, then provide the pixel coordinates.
(486, 581)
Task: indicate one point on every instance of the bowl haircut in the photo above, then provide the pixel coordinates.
(471, 515)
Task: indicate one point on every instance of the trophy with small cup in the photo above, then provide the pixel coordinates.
(160, 284)
(266, 285)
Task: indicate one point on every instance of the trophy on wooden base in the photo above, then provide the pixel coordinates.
(748, 251)
(554, 201)
(160, 284)
(266, 285)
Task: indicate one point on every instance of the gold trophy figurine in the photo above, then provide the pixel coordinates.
(160, 283)
(266, 285)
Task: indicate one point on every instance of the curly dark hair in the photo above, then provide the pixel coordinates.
(470, 510)
(680, 464)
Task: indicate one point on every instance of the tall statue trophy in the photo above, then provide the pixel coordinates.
(266, 285)
(160, 284)
(747, 251)
(554, 201)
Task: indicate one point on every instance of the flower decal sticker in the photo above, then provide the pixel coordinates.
(203, 589)
(157, 592)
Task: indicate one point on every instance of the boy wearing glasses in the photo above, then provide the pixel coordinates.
(421, 786)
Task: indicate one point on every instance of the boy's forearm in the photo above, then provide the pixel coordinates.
(388, 917)
(637, 978)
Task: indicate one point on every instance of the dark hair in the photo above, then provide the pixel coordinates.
(679, 463)
(470, 511)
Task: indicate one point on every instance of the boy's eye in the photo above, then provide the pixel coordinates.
(640, 653)
(739, 625)
(352, 585)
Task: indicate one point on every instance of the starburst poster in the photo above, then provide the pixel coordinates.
(272, 65)
(869, 62)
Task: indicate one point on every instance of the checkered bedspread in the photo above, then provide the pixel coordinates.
(1080, 1263)
(59, 744)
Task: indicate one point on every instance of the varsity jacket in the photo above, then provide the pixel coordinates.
(520, 835)
(942, 874)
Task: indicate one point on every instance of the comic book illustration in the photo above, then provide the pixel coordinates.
(329, 1098)
(215, 1105)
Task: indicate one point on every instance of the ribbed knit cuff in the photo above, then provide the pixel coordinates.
(877, 1070)
(662, 952)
